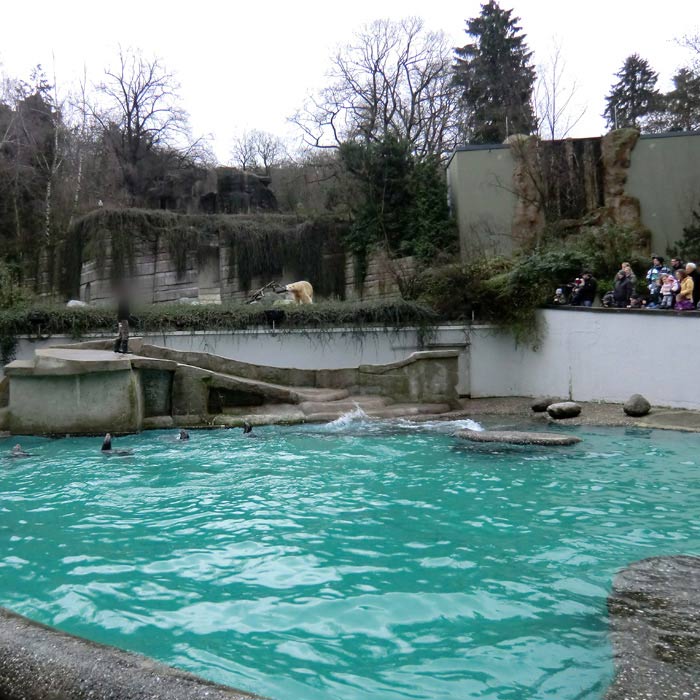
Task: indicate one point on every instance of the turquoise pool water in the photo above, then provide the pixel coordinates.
(352, 561)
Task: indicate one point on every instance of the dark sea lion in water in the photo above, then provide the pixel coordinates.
(248, 430)
(183, 435)
(107, 448)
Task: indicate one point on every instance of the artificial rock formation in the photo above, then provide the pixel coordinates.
(572, 183)
(514, 437)
(220, 190)
(617, 147)
(529, 215)
(38, 663)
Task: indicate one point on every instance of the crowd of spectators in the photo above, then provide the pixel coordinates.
(665, 287)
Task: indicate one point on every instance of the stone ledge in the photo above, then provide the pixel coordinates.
(39, 662)
(411, 359)
(59, 361)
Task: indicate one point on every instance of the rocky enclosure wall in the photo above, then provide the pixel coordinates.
(502, 195)
(211, 275)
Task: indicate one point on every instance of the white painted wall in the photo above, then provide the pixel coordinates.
(588, 355)
(592, 355)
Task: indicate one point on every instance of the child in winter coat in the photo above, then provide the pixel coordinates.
(669, 286)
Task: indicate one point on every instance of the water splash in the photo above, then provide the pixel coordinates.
(351, 418)
(441, 426)
(358, 421)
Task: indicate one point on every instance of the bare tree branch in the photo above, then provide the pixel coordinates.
(394, 78)
(555, 97)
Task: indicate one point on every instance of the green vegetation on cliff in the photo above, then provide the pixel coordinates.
(258, 245)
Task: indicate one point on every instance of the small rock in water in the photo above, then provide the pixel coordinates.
(565, 409)
(636, 406)
(542, 404)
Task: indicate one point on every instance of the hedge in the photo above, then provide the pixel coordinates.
(45, 321)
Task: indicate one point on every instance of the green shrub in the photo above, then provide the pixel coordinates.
(402, 206)
(508, 292)
(11, 293)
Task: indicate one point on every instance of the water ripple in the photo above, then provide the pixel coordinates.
(364, 560)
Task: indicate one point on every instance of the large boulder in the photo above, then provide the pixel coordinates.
(565, 409)
(543, 403)
(655, 629)
(636, 406)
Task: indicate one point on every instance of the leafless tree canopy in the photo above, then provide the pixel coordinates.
(555, 98)
(269, 148)
(140, 113)
(692, 43)
(243, 151)
(254, 149)
(395, 78)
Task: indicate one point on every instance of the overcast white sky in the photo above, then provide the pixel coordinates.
(245, 65)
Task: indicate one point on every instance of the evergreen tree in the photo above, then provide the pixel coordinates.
(497, 76)
(634, 97)
(403, 200)
(683, 102)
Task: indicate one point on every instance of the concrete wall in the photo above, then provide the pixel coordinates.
(303, 349)
(592, 355)
(665, 176)
(70, 403)
(588, 355)
(480, 182)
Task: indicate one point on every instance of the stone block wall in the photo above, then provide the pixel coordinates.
(382, 279)
(210, 276)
